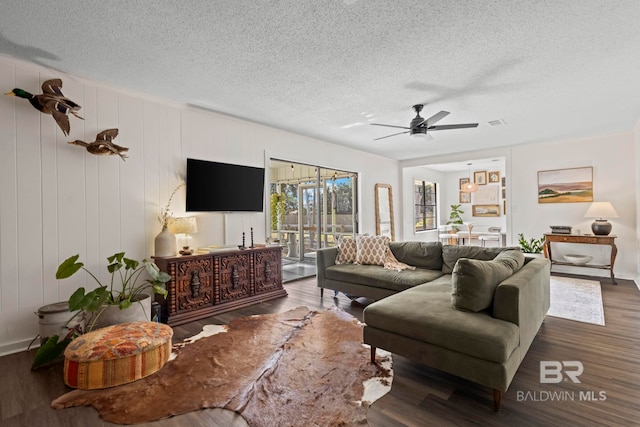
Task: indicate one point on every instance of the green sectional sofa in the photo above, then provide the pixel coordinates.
(466, 310)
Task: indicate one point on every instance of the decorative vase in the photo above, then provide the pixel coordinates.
(165, 243)
(107, 315)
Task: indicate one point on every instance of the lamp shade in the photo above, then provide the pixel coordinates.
(469, 187)
(601, 210)
(183, 225)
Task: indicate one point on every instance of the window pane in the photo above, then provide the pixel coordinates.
(425, 206)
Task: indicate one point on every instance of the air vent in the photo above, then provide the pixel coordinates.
(498, 122)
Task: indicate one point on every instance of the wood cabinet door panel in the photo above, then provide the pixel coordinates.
(194, 284)
(234, 277)
(268, 275)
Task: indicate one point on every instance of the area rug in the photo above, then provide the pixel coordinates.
(576, 299)
(298, 368)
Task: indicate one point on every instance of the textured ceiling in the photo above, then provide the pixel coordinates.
(549, 69)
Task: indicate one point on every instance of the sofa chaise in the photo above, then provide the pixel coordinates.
(466, 310)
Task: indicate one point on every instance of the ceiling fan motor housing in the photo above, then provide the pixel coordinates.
(417, 126)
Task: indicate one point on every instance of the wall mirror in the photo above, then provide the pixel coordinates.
(384, 211)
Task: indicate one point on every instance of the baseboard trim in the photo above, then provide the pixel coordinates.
(17, 347)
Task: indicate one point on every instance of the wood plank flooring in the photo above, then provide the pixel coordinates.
(420, 396)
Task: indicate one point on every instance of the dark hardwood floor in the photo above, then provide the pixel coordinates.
(420, 396)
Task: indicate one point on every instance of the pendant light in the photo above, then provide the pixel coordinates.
(470, 186)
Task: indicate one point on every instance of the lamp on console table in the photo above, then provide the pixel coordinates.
(185, 226)
(601, 210)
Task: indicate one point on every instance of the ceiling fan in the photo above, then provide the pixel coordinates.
(420, 125)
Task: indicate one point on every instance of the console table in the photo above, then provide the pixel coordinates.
(205, 285)
(584, 239)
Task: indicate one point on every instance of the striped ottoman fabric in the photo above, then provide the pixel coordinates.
(117, 354)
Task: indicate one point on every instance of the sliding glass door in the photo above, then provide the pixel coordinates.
(310, 207)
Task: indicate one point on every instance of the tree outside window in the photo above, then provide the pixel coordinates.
(425, 206)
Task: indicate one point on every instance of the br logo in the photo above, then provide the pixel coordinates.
(553, 371)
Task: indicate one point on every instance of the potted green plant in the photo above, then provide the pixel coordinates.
(278, 204)
(531, 246)
(455, 217)
(126, 286)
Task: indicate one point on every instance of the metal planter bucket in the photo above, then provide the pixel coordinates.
(53, 319)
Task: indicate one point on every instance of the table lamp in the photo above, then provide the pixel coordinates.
(601, 210)
(185, 226)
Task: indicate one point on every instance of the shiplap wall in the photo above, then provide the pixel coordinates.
(57, 200)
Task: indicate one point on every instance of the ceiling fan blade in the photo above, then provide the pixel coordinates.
(388, 136)
(436, 118)
(458, 126)
(389, 126)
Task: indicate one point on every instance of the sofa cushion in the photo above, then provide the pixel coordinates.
(474, 282)
(418, 254)
(347, 250)
(452, 253)
(376, 276)
(424, 313)
(372, 250)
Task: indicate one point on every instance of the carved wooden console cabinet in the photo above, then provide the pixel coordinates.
(209, 284)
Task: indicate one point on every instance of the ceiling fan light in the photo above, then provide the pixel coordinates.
(418, 133)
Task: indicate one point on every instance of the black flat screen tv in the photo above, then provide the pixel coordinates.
(224, 187)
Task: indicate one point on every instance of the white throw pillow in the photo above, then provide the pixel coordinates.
(372, 250)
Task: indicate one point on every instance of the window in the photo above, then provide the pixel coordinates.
(425, 205)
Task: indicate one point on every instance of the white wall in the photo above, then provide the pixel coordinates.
(614, 162)
(57, 200)
(636, 136)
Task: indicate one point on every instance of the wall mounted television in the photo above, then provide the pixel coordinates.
(224, 187)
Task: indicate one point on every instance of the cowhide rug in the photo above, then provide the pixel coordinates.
(298, 368)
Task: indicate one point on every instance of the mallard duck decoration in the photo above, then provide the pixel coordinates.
(103, 145)
(51, 101)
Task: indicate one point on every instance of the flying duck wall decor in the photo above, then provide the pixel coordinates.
(103, 145)
(51, 101)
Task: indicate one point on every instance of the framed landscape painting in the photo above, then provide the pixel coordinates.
(573, 185)
(485, 210)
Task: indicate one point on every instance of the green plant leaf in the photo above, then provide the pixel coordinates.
(130, 264)
(116, 257)
(76, 300)
(125, 304)
(68, 267)
(94, 299)
(152, 269)
(49, 352)
(160, 290)
(113, 267)
(155, 273)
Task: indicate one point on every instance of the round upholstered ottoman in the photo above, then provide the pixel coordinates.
(117, 354)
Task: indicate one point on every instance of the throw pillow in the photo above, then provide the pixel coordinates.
(372, 250)
(347, 251)
(474, 282)
(452, 253)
